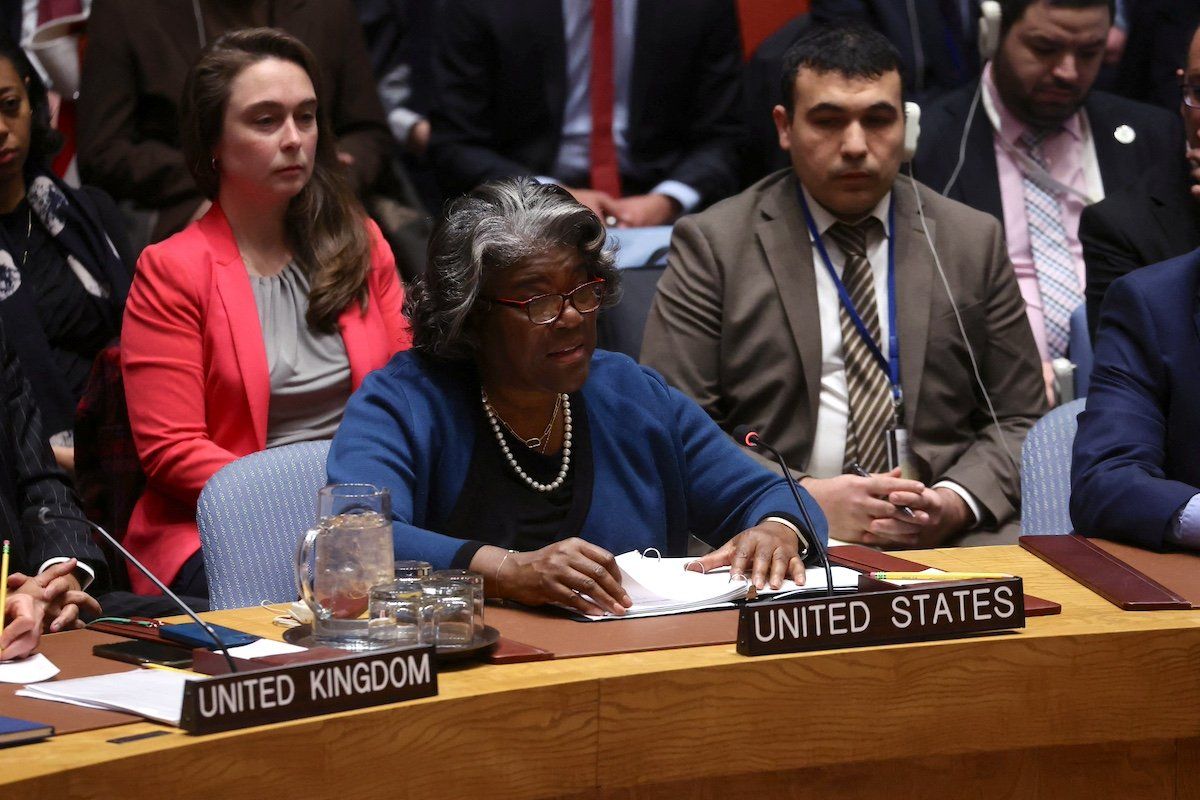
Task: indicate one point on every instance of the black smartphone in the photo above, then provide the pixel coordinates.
(145, 652)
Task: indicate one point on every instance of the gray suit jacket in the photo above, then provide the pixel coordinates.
(735, 325)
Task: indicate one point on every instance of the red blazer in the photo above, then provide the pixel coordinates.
(196, 377)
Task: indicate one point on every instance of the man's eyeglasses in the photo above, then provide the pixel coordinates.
(545, 309)
(1191, 95)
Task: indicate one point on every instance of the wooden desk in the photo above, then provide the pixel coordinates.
(1095, 703)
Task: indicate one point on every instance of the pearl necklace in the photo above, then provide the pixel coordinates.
(545, 488)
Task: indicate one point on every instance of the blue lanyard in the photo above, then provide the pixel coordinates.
(891, 364)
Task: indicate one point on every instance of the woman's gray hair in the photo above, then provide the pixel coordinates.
(495, 226)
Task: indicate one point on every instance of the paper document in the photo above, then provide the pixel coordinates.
(30, 669)
(663, 586)
(264, 647)
(154, 694)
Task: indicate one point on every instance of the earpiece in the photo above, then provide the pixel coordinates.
(912, 130)
(989, 29)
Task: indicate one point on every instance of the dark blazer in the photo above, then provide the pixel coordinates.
(1160, 32)
(946, 58)
(500, 78)
(661, 467)
(1158, 133)
(736, 325)
(1143, 224)
(1136, 463)
(138, 56)
(29, 479)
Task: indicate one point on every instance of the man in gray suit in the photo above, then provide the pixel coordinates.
(775, 313)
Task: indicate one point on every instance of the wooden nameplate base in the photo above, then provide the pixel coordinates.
(909, 614)
(295, 691)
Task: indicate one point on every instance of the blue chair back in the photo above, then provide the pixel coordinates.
(251, 515)
(1079, 348)
(620, 328)
(1046, 472)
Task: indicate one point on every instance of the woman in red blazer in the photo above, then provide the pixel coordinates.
(252, 325)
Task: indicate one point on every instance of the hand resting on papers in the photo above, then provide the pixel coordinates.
(586, 578)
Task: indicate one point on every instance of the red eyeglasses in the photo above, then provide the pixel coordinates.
(545, 309)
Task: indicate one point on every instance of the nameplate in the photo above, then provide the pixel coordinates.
(243, 699)
(910, 614)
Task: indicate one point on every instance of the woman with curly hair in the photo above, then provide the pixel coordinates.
(514, 448)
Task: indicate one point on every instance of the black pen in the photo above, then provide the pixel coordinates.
(857, 469)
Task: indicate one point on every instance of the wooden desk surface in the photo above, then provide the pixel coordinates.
(1092, 703)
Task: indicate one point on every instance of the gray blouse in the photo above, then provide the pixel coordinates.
(310, 371)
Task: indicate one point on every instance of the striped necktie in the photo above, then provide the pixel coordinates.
(867, 385)
(1058, 282)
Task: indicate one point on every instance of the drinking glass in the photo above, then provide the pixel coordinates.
(447, 612)
(475, 581)
(412, 569)
(394, 613)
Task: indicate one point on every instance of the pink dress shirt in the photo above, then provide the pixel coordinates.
(1067, 154)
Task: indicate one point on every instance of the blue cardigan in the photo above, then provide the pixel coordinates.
(663, 469)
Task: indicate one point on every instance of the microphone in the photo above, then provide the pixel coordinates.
(749, 437)
(41, 515)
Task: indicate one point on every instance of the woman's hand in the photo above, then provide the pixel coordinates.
(770, 550)
(563, 573)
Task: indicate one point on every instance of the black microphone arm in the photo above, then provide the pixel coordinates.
(43, 514)
(746, 435)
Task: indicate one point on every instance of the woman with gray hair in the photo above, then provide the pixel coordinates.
(512, 447)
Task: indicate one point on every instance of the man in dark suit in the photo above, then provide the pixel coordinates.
(937, 39)
(138, 56)
(747, 319)
(1136, 469)
(1155, 219)
(514, 97)
(1037, 146)
(52, 562)
(1158, 38)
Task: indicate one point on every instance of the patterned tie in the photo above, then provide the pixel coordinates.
(1058, 281)
(870, 393)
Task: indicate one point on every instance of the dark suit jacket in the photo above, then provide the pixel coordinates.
(500, 76)
(1160, 32)
(932, 70)
(29, 478)
(1136, 462)
(138, 56)
(1143, 224)
(736, 325)
(1158, 134)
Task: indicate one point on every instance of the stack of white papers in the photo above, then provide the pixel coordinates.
(151, 693)
(661, 586)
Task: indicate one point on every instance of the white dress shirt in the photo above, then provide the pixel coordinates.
(833, 405)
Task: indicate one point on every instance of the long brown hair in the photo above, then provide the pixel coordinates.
(325, 224)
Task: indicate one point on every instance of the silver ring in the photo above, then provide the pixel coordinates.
(610, 220)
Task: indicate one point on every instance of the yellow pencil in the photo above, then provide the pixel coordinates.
(939, 576)
(3, 583)
(165, 668)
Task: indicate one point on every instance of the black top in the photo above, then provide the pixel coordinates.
(77, 324)
(496, 507)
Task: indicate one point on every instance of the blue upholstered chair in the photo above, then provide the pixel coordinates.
(620, 328)
(251, 515)
(1046, 472)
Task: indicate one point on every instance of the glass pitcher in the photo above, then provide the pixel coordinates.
(339, 560)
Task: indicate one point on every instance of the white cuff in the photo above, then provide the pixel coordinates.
(787, 523)
(687, 197)
(972, 503)
(83, 584)
(401, 121)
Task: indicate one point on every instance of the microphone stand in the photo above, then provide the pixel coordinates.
(43, 514)
(753, 440)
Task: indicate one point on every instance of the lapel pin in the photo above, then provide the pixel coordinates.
(1125, 134)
